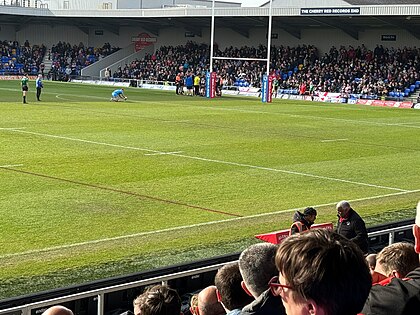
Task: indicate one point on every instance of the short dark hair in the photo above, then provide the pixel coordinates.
(159, 300)
(326, 267)
(228, 282)
(257, 266)
(309, 211)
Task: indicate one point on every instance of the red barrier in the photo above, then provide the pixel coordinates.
(279, 236)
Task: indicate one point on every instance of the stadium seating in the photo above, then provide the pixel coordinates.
(292, 65)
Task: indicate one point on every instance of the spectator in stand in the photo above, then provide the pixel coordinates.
(396, 261)
(207, 303)
(351, 225)
(257, 267)
(321, 273)
(303, 221)
(57, 310)
(229, 291)
(376, 276)
(399, 296)
(158, 300)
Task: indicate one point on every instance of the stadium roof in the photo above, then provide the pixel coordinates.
(241, 20)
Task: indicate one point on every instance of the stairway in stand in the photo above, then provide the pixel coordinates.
(47, 63)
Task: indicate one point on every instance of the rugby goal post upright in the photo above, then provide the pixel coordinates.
(266, 85)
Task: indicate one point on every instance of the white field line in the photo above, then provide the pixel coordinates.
(185, 227)
(212, 160)
(13, 128)
(11, 165)
(334, 140)
(163, 153)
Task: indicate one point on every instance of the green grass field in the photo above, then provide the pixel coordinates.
(92, 189)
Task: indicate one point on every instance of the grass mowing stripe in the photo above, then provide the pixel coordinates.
(405, 125)
(130, 193)
(214, 160)
(191, 226)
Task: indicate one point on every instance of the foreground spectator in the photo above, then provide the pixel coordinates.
(158, 300)
(400, 296)
(376, 276)
(229, 291)
(257, 267)
(207, 303)
(351, 225)
(57, 310)
(396, 261)
(321, 272)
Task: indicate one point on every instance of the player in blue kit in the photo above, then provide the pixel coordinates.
(118, 95)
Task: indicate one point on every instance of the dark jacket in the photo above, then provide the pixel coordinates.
(353, 228)
(265, 304)
(299, 223)
(399, 297)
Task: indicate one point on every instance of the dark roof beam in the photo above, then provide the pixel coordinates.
(189, 27)
(24, 22)
(393, 22)
(338, 25)
(292, 30)
(110, 27)
(244, 31)
(153, 30)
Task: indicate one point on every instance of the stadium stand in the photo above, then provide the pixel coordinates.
(68, 60)
(19, 59)
(363, 73)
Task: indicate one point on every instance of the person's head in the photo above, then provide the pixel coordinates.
(397, 260)
(371, 260)
(57, 310)
(257, 267)
(343, 208)
(229, 291)
(207, 303)
(158, 300)
(321, 272)
(40, 75)
(310, 214)
(194, 305)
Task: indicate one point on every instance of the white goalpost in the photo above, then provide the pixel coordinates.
(267, 60)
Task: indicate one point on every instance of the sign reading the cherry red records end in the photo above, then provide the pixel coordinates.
(143, 40)
(279, 236)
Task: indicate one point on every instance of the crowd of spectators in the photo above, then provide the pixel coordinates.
(312, 272)
(18, 58)
(68, 60)
(345, 70)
